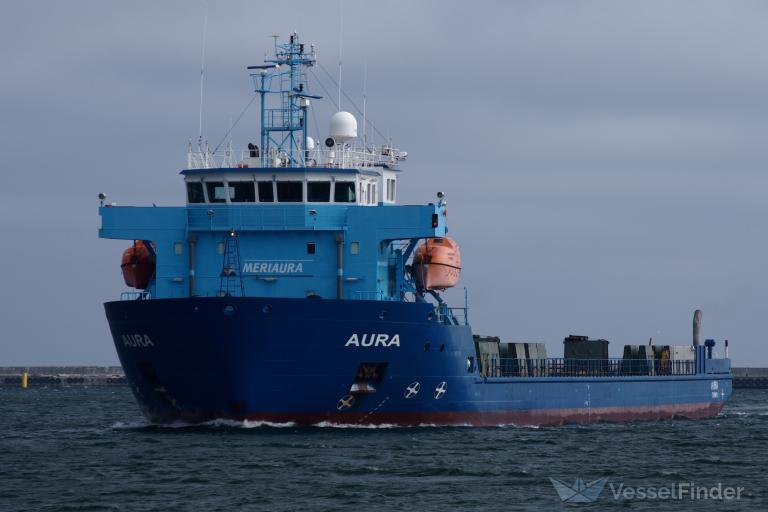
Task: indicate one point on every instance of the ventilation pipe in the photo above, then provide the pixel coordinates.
(710, 344)
(191, 240)
(340, 265)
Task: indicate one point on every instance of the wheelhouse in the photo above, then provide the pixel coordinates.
(360, 187)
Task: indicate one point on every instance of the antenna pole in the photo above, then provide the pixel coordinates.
(341, 43)
(202, 69)
(365, 87)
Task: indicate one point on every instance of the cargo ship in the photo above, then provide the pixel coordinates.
(293, 288)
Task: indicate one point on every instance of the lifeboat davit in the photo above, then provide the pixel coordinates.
(437, 264)
(138, 265)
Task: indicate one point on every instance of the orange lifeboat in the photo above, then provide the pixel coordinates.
(138, 265)
(437, 264)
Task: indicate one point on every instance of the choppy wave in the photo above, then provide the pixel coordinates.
(247, 424)
(330, 424)
(130, 425)
(217, 423)
(108, 453)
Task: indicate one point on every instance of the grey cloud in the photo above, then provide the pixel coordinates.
(604, 162)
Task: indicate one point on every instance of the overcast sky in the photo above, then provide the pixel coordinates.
(604, 162)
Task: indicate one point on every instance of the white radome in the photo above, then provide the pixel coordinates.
(343, 126)
(310, 143)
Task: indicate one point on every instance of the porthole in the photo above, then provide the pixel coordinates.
(266, 309)
(229, 309)
(382, 315)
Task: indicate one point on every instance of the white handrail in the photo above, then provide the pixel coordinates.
(336, 157)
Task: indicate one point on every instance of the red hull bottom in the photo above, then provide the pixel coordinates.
(541, 417)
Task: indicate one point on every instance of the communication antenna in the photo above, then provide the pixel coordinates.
(341, 43)
(202, 69)
(228, 154)
(365, 87)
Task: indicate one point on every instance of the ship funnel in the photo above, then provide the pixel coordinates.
(697, 328)
(343, 127)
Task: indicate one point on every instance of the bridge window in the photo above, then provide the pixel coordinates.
(195, 192)
(216, 192)
(344, 192)
(390, 190)
(266, 192)
(290, 191)
(318, 191)
(242, 192)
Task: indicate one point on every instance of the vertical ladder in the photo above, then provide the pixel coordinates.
(231, 280)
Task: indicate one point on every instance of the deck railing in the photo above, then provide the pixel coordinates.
(505, 367)
(141, 295)
(369, 295)
(347, 157)
(452, 316)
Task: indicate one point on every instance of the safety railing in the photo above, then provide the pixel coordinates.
(491, 366)
(337, 156)
(451, 316)
(461, 314)
(372, 295)
(368, 295)
(143, 295)
(289, 216)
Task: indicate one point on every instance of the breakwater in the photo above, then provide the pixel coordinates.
(750, 378)
(743, 378)
(62, 376)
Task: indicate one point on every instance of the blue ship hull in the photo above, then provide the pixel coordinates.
(298, 360)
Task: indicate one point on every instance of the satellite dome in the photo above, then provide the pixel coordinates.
(343, 126)
(310, 145)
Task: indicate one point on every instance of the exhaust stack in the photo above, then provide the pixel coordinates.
(697, 328)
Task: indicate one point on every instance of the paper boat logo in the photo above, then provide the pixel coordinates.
(580, 491)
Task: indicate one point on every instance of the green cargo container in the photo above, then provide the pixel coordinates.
(581, 347)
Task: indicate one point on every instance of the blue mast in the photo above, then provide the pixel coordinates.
(284, 126)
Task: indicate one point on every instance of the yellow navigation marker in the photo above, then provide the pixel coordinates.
(24, 378)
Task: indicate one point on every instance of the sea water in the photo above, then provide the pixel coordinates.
(89, 449)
